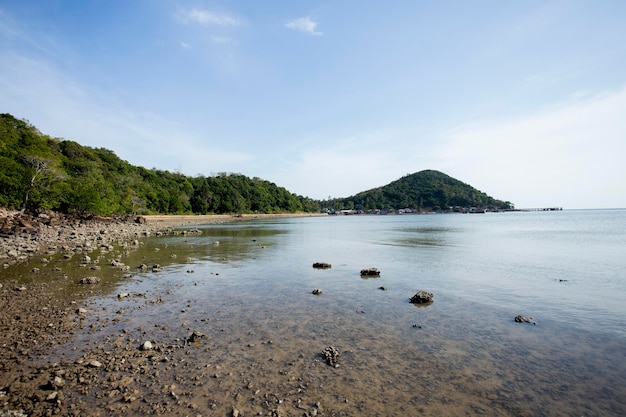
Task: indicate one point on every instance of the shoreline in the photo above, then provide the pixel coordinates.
(23, 236)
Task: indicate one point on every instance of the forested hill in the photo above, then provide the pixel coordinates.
(38, 172)
(424, 190)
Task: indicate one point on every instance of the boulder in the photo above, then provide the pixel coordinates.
(322, 265)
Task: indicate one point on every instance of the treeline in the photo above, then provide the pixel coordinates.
(38, 172)
(424, 190)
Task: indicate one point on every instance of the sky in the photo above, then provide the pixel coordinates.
(524, 100)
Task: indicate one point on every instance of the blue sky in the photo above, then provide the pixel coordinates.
(525, 100)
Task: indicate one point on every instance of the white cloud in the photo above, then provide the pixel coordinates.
(304, 24)
(207, 17)
(185, 45)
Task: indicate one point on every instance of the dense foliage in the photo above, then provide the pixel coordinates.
(39, 172)
(424, 190)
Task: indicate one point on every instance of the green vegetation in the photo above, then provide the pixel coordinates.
(425, 190)
(38, 172)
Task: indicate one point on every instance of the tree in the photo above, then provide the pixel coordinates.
(40, 169)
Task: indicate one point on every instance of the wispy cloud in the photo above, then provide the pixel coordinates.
(185, 45)
(207, 17)
(304, 24)
(223, 40)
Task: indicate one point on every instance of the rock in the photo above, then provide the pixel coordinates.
(122, 295)
(422, 297)
(147, 345)
(94, 364)
(81, 311)
(382, 288)
(86, 259)
(90, 280)
(331, 355)
(322, 265)
(370, 272)
(195, 337)
(524, 319)
(317, 291)
(57, 382)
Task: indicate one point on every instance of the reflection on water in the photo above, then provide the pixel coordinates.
(462, 355)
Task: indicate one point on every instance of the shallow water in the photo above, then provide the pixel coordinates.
(462, 355)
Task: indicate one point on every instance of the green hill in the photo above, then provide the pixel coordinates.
(425, 190)
(38, 172)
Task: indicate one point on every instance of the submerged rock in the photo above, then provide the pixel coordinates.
(422, 297)
(322, 265)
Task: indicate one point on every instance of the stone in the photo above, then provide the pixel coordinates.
(147, 345)
(57, 382)
(317, 291)
(195, 337)
(422, 297)
(322, 265)
(524, 319)
(370, 272)
(90, 280)
(331, 355)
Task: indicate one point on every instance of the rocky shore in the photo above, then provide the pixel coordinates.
(23, 236)
(36, 317)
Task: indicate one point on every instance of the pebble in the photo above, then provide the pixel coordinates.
(95, 364)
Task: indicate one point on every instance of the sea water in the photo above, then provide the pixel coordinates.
(248, 285)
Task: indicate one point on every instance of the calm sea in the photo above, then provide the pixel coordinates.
(251, 291)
